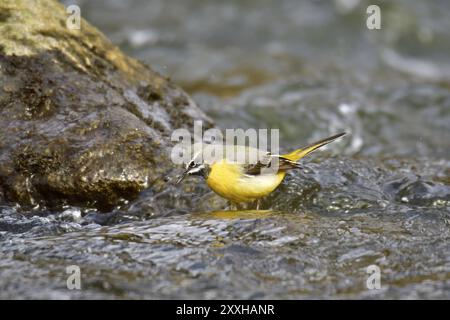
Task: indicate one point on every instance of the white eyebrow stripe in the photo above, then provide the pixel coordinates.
(196, 169)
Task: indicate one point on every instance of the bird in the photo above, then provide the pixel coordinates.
(248, 181)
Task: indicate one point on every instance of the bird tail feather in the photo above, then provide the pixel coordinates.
(302, 152)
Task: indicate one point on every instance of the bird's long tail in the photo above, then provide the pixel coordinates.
(300, 153)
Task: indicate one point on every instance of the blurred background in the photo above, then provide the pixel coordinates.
(310, 68)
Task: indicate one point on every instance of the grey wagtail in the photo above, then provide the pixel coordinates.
(249, 181)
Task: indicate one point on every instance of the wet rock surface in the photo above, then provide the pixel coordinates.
(380, 196)
(321, 234)
(80, 123)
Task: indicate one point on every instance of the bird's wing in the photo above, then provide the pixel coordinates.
(269, 161)
(254, 169)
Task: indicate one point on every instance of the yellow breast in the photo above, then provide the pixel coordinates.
(227, 180)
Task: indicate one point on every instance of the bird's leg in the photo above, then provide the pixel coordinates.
(232, 206)
(258, 203)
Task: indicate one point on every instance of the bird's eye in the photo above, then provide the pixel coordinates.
(190, 165)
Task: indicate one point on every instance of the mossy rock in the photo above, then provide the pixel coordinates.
(80, 122)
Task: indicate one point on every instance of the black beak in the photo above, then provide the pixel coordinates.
(182, 176)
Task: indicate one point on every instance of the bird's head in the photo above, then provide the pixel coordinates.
(194, 168)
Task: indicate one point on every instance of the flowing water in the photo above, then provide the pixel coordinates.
(380, 196)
